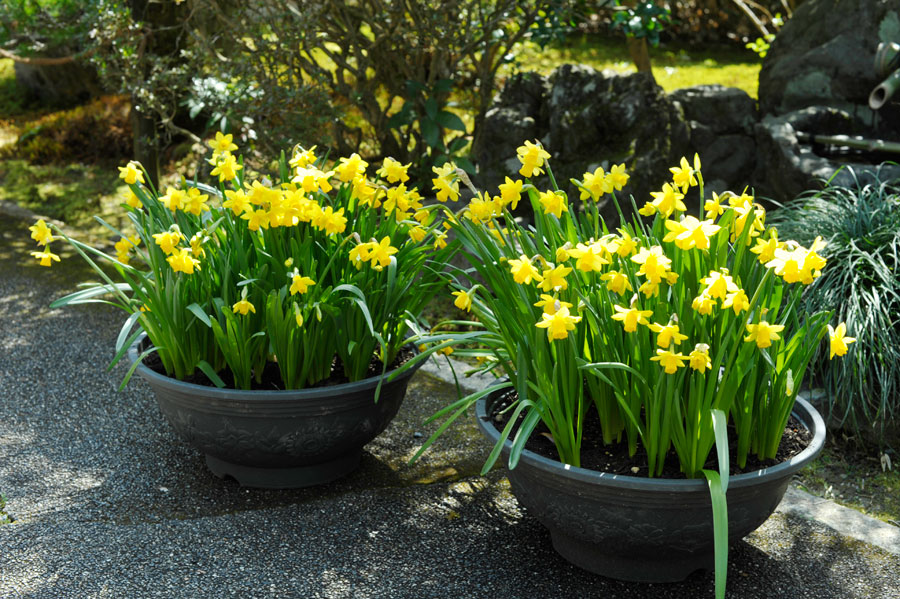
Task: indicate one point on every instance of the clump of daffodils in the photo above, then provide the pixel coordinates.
(655, 324)
(325, 262)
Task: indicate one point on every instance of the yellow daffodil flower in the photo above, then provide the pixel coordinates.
(463, 300)
(303, 158)
(669, 360)
(683, 175)
(631, 317)
(589, 258)
(393, 171)
(360, 254)
(744, 200)
(595, 185)
(256, 219)
(837, 341)
(649, 289)
(719, 284)
(123, 247)
(700, 358)
(348, 168)
(558, 324)
(765, 249)
(41, 233)
(627, 244)
(748, 215)
(131, 173)
(813, 263)
(654, 263)
(46, 257)
(236, 201)
(511, 192)
(617, 177)
(222, 143)
(417, 234)
(691, 233)
(617, 282)
(763, 333)
(243, 306)
(647, 209)
(168, 239)
(667, 334)
(551, 304)
(132, 200)
(703, 304)
(554, 279)
(226, 167)
(737, 301)
(553, 203)
(668, 201)
(196, 202)
(523, 271)
(714, 207)
(174, 199)
(183, 261)
(532, 157)
(330, 221)
(300, 284)
(381, 253)
(197, 245)
(440, 240)
(445, 184)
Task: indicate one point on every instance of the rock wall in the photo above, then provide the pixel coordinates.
(823, 56)
(585, 118)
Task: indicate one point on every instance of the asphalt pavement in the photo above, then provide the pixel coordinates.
(108, 502)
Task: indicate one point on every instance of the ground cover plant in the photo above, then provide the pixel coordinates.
(854, 476)
(861, 226)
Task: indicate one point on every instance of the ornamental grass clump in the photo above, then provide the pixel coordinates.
(861, 223)
(310, 269)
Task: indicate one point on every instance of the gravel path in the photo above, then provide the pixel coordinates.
(108, 502)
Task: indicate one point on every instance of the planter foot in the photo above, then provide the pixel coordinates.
(285, 478)
(665, 568)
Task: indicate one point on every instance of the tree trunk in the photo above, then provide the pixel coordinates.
(146, 143)
(640, 54)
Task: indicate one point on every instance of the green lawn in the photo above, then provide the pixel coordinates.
(673, 67)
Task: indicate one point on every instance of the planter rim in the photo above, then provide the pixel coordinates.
(216, 393)
(802, 409)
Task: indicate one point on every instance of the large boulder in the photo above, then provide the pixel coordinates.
(824, 54)
(721, 121)
(585, 118)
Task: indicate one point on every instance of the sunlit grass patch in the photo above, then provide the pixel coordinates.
(673, 67)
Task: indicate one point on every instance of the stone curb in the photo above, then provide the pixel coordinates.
(796, 502)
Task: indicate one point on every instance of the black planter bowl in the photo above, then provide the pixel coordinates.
(643, 529)
(277, 439)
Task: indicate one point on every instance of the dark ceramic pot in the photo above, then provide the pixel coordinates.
(278, 439)
(643, 529)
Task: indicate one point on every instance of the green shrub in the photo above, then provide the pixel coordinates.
(96, 132)
(861, 224)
